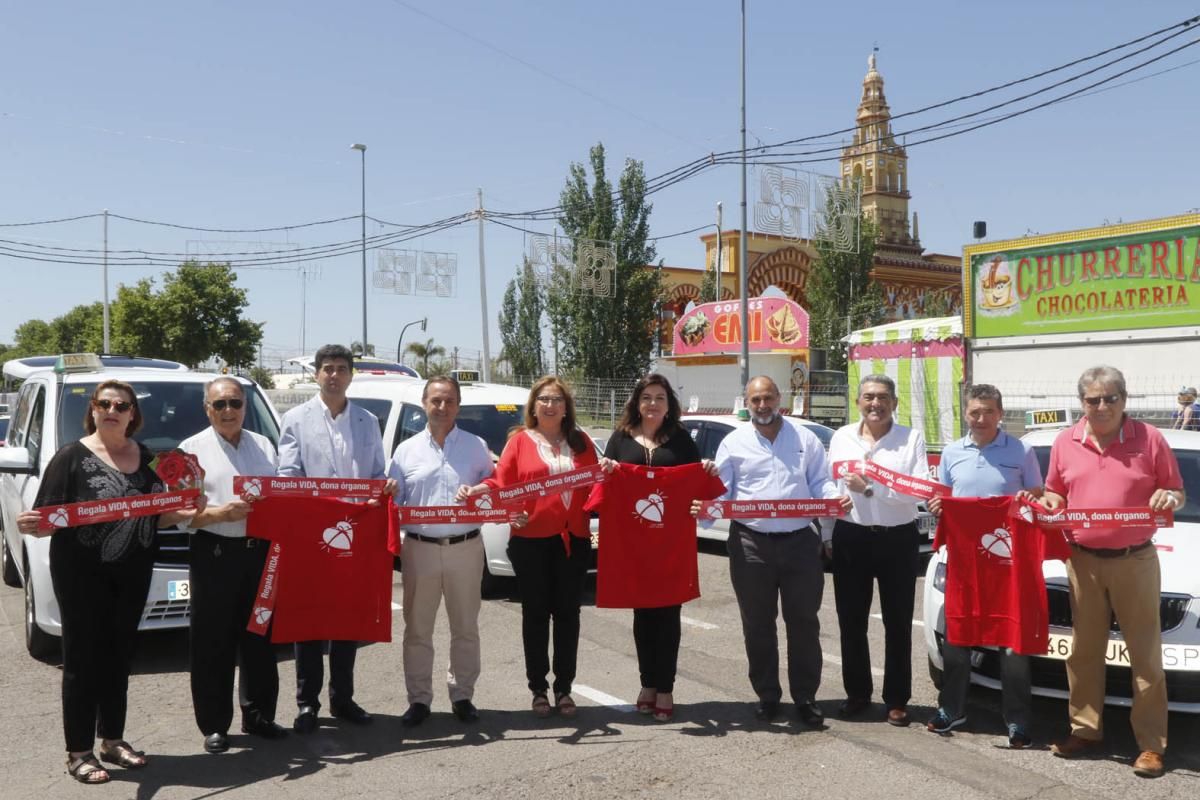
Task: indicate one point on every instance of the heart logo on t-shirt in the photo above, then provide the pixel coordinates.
(650, 508)
(997, 543)
(59, 518)
(261, 615)
(340, 536)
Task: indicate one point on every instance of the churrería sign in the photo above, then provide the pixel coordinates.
(776, 324)
(1141, 275)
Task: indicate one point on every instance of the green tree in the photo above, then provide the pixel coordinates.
(202, 315)
(263, 377)
(841, 294)
(137, 323)
(609, 336)
(710, 292)
(80, 330)
(425, 351)
(521, 323)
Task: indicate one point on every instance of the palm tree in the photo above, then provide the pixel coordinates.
(425, 352)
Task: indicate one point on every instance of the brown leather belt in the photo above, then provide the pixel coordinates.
(1114, 552)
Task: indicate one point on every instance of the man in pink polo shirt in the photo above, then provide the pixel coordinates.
(1109, 460)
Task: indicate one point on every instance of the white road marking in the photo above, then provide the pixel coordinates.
(695, 623)
(920, 622)
(602, 698)
(835, 660)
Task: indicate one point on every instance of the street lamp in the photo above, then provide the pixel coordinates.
(362, 148)
(400, 341)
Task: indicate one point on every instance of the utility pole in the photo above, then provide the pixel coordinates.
(107, 342)
(743, 267)
(487, 353)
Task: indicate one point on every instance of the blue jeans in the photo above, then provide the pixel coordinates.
(1015, 682)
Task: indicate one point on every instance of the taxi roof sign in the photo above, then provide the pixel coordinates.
(1047, 418)
(78, 362)
(465, 375)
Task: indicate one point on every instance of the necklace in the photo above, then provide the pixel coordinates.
(648, 448)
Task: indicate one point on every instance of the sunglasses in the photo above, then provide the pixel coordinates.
(235, 404)
(551, 399)
(105, 404)
(1107, 399)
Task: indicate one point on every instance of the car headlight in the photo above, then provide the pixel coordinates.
(939, 577)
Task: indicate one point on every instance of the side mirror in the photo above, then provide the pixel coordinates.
(16, 461)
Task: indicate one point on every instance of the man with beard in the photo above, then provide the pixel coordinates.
(777, 561)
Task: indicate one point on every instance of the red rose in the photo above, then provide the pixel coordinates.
(172, 467)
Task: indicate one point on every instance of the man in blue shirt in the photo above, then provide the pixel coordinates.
(986, 463)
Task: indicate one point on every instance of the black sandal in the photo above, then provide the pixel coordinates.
(86, 769)
(122, 754)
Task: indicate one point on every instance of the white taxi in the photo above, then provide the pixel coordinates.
(1179, 557)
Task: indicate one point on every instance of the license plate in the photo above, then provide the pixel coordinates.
(179, 590)
(1058, 646)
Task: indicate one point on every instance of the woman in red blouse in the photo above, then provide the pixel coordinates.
(550, 543)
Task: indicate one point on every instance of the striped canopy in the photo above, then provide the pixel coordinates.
(925, 359)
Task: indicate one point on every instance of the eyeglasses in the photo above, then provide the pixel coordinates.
(551, 399)
(235, 404)
(1107, 399)
(105, 404)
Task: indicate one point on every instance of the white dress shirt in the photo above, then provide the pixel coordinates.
(793, 467)
(341, 441)
(901, 449)
(221, 461)
(429, 475)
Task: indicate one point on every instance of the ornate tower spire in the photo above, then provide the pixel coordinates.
(880, 164)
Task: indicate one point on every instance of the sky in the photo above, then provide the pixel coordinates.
(240, 115)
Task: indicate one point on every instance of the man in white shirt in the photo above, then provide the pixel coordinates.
(225, 570)
(777, 561)
(877, 541)
(330, 437)
(435, 468)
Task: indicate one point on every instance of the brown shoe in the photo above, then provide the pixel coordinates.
(1074, 746)
(1148, 765)
(898, 716)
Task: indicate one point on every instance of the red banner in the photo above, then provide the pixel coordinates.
(896, 481)
(452, 515)
(770, 509)
(70, 515)
(539, 487)
(335, 488)
(264, 601)
(1073, 518)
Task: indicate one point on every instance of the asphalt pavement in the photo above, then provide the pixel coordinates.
(713, 749)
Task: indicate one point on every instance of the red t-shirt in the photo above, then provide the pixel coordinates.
(647, 552)
(995, 590)
(334, 578)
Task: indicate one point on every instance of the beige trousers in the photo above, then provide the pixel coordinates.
(430, 572)
(1130, 587)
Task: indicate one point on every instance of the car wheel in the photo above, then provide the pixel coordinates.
(935, 675)
(12, 577)
(40, 644)
(491, 585)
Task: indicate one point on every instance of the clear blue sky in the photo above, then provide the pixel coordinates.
(234, 114)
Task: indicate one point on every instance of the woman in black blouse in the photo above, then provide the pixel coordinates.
(649, 433)
(101, 574)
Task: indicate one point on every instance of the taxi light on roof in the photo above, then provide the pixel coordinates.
(1047, 418)
(78, 362)
(465, 375)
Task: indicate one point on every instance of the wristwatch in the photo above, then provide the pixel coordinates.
(868, 492)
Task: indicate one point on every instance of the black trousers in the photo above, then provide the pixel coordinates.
(768, 570)
(101, 606)
(310, 672)
(656, 633)
(862, 556)
(550, 584)
(225, 573)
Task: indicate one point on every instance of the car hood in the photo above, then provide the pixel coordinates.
(1178, 557)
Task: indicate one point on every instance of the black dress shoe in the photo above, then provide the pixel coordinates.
(416, 714)
(465, 711)
(267, 729)
(767, 710)
(810, 714)
(352, 712)
(306, 720)
(216, 743)
(853, 706)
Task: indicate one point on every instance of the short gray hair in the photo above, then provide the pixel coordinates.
(1104, 375)
(883, 379)
(232, 381)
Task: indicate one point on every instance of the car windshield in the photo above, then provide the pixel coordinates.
(1189, 467)
(823, 433)
(171, 412)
